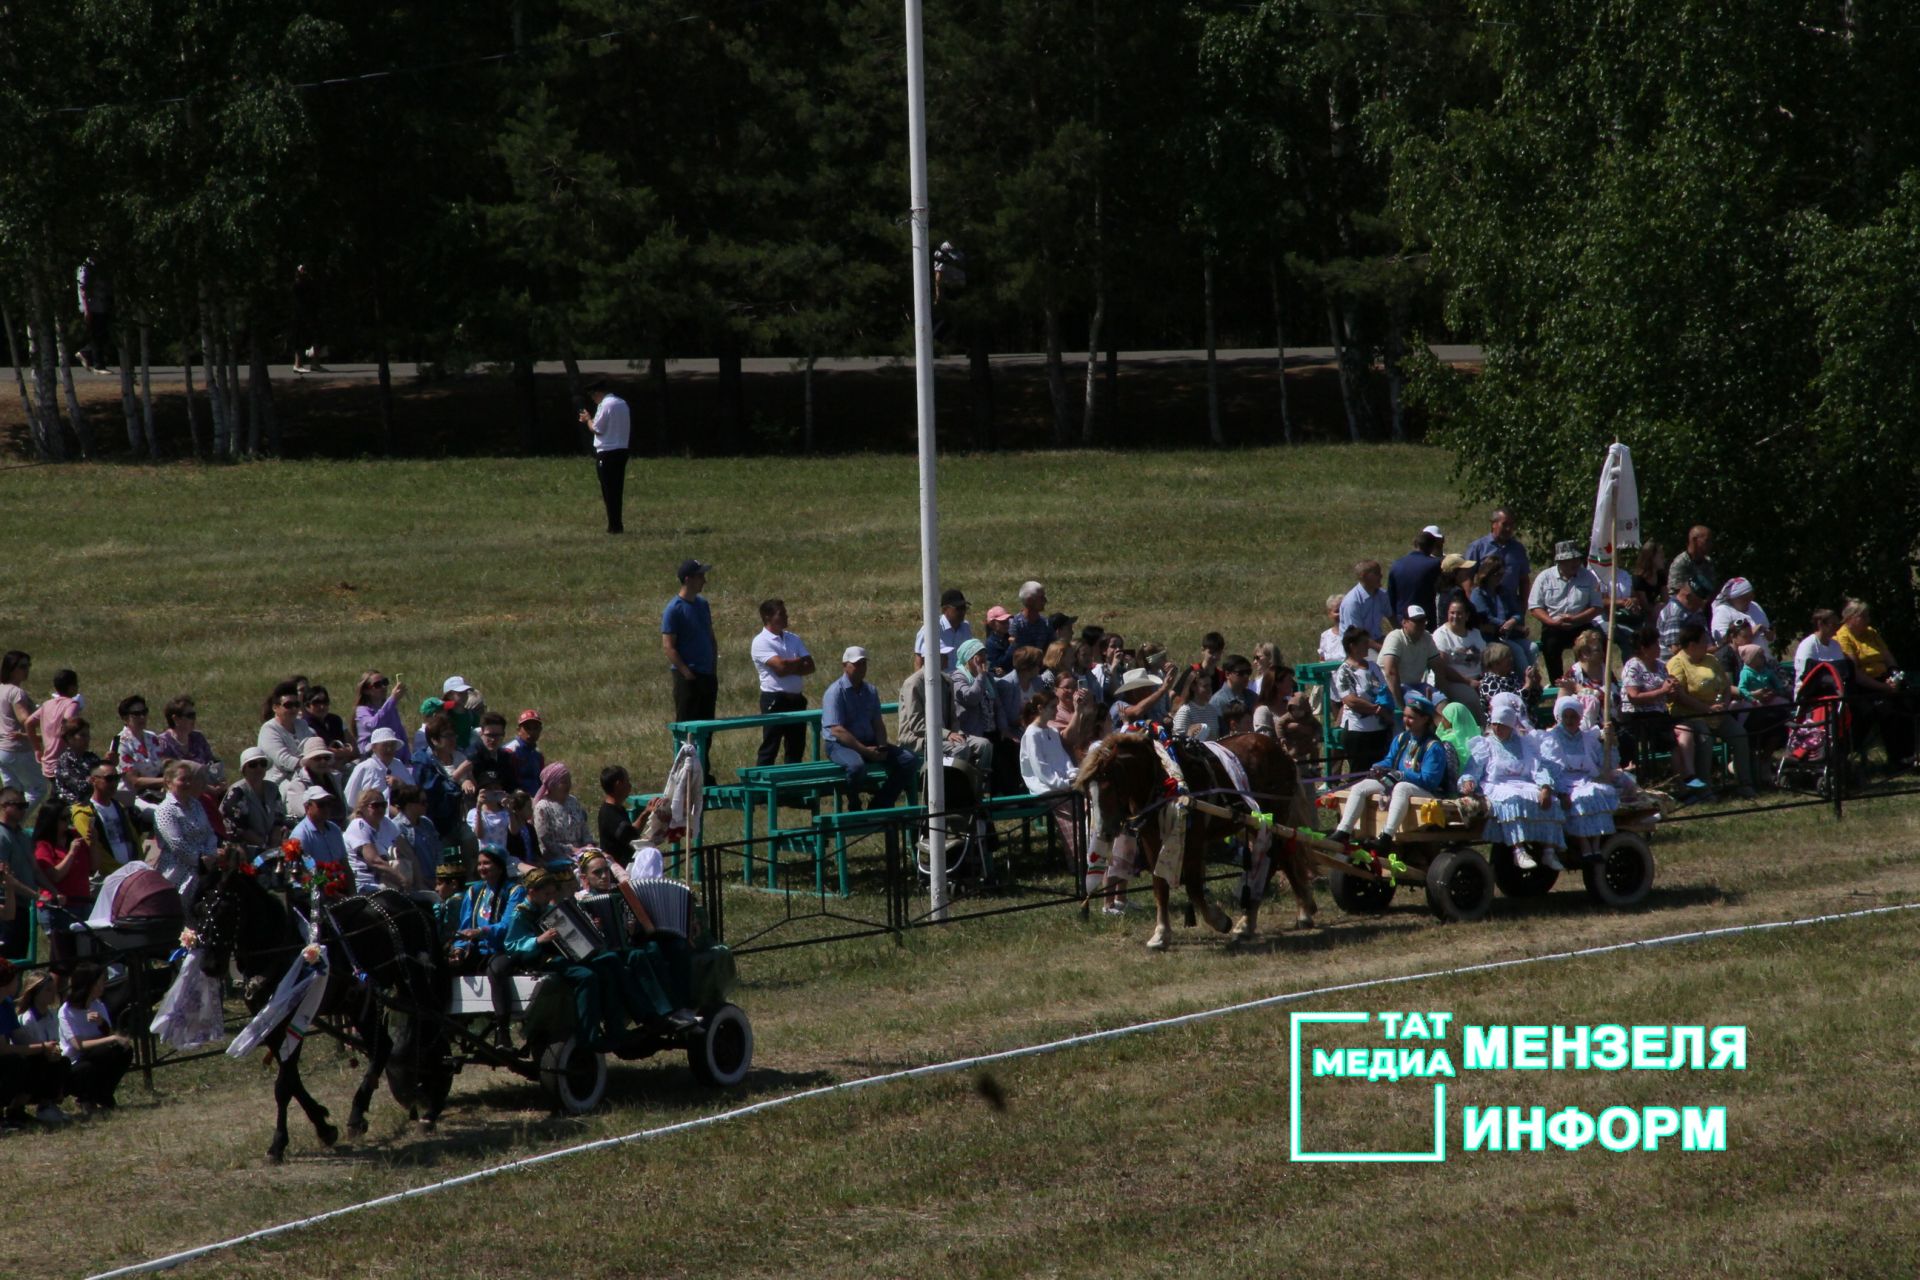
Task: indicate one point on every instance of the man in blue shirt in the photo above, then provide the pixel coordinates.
(1501, 543)
(686, 634)
(1031, 626)
(320, 840)
(857, 732)
(1365, 606)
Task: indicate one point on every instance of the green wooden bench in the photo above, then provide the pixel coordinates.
(700, 732)
(1320, 675)
(851, 824)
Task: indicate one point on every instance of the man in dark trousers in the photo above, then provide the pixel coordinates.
(1415, 577)
(686, 636)
(612, 428)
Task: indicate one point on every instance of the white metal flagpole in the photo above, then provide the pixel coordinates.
(929, 489)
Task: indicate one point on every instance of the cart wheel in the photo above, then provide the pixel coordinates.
(1357, 895)
(1514, 882)
(574, 1076)
(1622, 875)
(722, 1049)
(1459, 885)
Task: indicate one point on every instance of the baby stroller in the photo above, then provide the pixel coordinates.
(970, 835)
(1820, 734)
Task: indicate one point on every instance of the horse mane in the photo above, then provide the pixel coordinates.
(1101, 752)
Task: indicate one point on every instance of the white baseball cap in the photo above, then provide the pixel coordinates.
(854, 653)
(456, 684)
(1433, 530)
(1415, 611)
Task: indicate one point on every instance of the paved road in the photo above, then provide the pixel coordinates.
(1297, 357)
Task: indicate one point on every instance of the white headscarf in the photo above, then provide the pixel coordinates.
(1508, 710)
(1564, 703)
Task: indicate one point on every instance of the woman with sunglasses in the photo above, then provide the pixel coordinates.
(184, 741)
(327, 726)
(377, 706)
(282, 735)
(136, 753)
(371, 838)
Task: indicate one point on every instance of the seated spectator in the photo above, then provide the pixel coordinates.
(1411, 660)
(1587, 678)
(1234, 718)
(1456, 727)
(445, 777)
(52, 717)
(955, 630)
(1726, 649)
(1645, 688)
(976, 751)
(558, 816)
(857, 733)
(1820, 645)
(449, 886)
(320, 840)
(493, 768)
(1565, 601)
(1761, 683)
(113, 829)
(617, 832)
(187, 841)
(1141, 696)
(1194, 715)
(1877, 675)
(1112, 666)
(976, 705)
(523, 838)
(1502, 676)
(322, 723)
(184, 741)
(1585, 777)
(254, 810)
(283, 737)
(1735, 603)
(523, 752)
(32, 1072)
(1030, 628)
(1047, 768)
(1650, 580)
(492, 821)
(1685, 609)
(314, 774)
(1359, 690)
(64, 861)
(1062, 624)
(1464, 648)
(137, 750)
(1365, 605)
(1497, 613)
(20, 745)
(1415, 767)
(376, 705)
(1456, 583)
(1270, 688)
(1694, 566)
(370, 840)
(76, 762)
(1699, 704)
(407, 807)
(379, 769)
(97, 1055)
(1235, 673)
(1027, 677)
(999, 641)
(463, 705)
(1331, 649)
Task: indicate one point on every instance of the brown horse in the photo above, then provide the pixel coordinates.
(1126, 785)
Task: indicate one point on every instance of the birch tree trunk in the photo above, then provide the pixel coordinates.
(216, 406)
(82, 425)
(1057, 379)
(1280, 351)
(195, 440)
(237, 405)
(135, 436)
(1090, 413)
(577, 396)
(1214, 432)
(1344, 360)
(53, 447)
(20, 378)
(146, 389)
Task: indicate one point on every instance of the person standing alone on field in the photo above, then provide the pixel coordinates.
(782, 662)
(306, 316)
(612, 427)
(686, 635)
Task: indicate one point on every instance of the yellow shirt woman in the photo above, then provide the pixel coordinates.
(1867, 650)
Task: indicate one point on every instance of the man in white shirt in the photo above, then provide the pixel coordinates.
(612, 427)
(781, 660)
(955, 630)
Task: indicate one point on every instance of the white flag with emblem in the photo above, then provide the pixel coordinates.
(1616, 509)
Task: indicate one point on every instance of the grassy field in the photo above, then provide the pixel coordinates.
(1161, 1154)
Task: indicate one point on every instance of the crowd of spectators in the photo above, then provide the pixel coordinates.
(453, 797)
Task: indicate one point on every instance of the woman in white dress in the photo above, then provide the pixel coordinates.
(1508, 770)
(1583, 776)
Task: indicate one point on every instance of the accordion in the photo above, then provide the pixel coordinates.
(668, 903)
(577, 935)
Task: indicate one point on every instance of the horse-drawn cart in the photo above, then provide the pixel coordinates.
(1436, 846)
(569, 1019)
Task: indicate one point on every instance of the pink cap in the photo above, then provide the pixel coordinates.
(997, 614)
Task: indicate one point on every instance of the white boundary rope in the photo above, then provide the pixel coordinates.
(963, 1064)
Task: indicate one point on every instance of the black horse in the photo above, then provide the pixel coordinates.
(382, 955)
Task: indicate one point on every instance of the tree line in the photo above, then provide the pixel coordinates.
(1692, 226)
